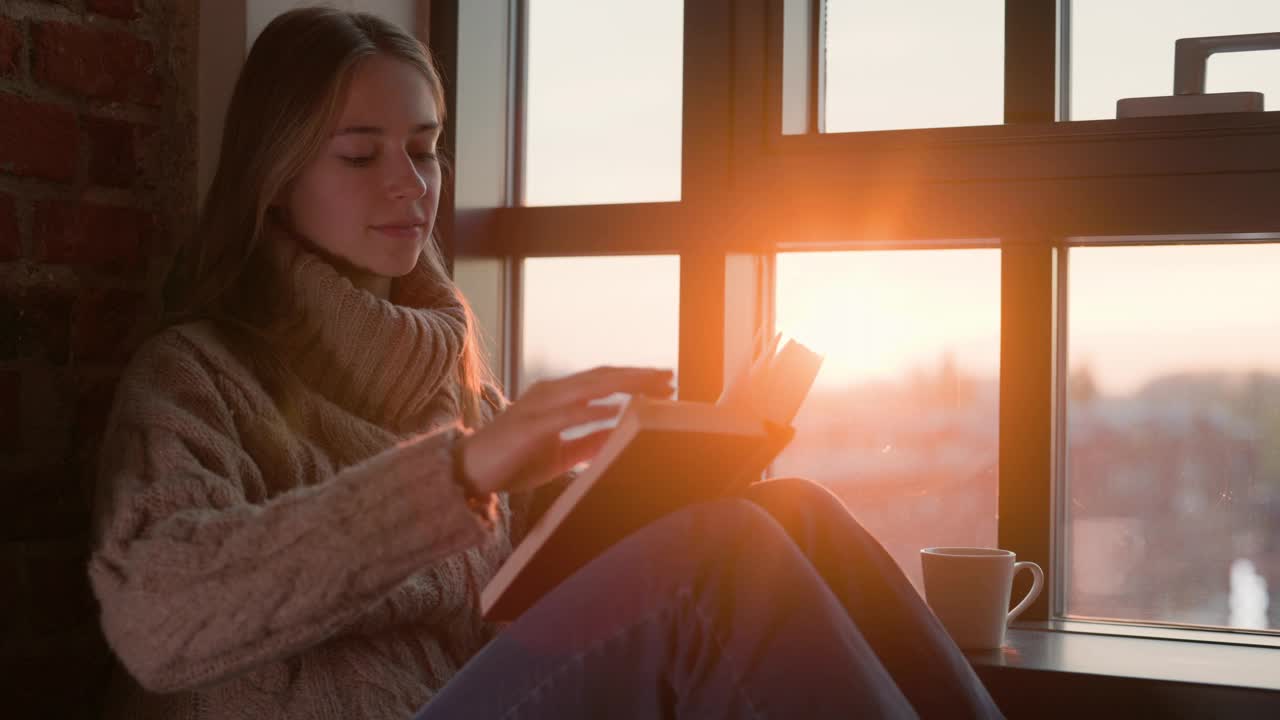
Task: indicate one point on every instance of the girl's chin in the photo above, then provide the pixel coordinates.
(389, 269)
(403, 268)
(385, 266)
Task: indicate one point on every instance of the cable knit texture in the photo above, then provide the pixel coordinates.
(247, 569)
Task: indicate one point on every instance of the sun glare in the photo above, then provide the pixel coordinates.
(880, 315)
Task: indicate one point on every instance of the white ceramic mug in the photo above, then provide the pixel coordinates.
(968, 589)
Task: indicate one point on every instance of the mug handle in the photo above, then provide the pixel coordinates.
(1037, 582)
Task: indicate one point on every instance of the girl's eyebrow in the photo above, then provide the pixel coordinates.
(375, 130)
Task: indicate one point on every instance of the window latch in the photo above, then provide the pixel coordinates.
(1190, 60)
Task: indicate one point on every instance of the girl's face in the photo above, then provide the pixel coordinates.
(368, 199)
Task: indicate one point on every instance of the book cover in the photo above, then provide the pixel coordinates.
(662, 455)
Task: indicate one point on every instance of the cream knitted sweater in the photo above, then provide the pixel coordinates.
(247, 569)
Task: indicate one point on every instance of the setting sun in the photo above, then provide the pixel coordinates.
(877, 315)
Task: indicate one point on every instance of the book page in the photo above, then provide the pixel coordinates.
(787, 381)
(740, 392)
(774, 385)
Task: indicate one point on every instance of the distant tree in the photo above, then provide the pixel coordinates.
(945, 386)
(948, 380)
(1260, 403)
(955, 388)
(1081, 386)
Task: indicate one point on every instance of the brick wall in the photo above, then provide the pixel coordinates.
(97, 175)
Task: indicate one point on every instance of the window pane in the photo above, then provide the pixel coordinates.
(580, 312)
(894, 64)
(1173, 417)
(902, 420)
(603, 98)
(1125, 49)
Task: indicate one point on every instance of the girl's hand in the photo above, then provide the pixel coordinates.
(521, 448)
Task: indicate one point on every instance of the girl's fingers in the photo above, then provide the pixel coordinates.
(527, 432)
(605, 381)
(581, 449)
(658, 390)
(571, 415)
(560, 457)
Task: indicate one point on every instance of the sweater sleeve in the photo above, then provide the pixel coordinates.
(526, 506)
(197, 583)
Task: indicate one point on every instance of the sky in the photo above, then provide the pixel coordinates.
(608, 130)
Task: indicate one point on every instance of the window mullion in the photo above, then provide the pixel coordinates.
(1027, 305)
(708, 108)
(1030, 60)
(1026, 459)
(517, 99)
(702, 313)
(512, 323)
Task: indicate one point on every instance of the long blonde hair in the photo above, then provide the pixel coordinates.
(288, 94)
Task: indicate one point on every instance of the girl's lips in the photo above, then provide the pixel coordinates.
(399, 231)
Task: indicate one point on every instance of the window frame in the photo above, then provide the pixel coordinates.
(1034, 183)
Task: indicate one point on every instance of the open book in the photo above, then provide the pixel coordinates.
(662, 455)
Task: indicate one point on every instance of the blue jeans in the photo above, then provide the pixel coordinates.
(773, 604)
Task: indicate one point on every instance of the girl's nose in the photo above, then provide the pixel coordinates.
(406, 181)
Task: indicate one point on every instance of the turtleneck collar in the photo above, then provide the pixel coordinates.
(392, 362)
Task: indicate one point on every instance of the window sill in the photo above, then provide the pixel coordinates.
(1045, 672)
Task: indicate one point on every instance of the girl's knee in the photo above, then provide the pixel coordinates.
(791, 485)
(793, 493)
(725, 518)
(734, 538)
(804, 507)
(709, 533)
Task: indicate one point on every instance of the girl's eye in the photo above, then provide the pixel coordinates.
(366, 160)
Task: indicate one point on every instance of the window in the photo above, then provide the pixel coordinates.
(1125, 49)
(587, 311)
(1020, 402)
(893, 64)
(1173, 464)
(901, 422)
(602, 109)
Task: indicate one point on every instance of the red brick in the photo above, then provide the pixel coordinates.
(103, 324)
(10, 47)
(104, 64)
(39, 139)
(45, 504)
(34, 322)
(10, 410)
(10, 242)
(88, 234)
(112, 159)
(126, 9)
